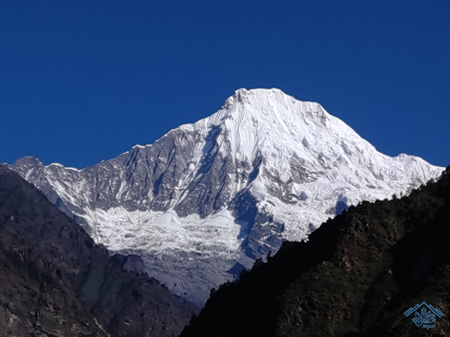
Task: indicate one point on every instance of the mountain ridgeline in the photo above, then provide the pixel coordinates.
(209, 198)
(356, 276)
(55, 281)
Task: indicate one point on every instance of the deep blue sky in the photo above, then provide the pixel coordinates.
(82, 81)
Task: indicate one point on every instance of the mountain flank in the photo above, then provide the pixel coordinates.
(55, 281)
(356, 276)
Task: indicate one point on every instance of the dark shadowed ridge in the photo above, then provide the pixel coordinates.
(355, 277)
(56, 282)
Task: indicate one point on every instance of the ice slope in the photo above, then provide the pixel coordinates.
(206, 199)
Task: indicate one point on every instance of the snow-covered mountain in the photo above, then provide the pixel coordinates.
(206, 199)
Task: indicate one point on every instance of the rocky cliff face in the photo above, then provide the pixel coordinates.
(207, 199)
(56, 282)
(356, 276)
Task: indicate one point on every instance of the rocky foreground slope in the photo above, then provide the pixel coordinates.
(55, 281)
(204, 201)
(356, 276)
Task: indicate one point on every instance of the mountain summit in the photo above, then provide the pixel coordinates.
(205, 200)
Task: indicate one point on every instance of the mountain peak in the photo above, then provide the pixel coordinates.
(270, 105)
(229, 188)
(28, 160)
(271, 122)
(259, 92)
(251, 96)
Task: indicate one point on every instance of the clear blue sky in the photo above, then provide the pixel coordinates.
(82, 81)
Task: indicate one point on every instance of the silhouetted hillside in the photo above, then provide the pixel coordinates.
(355, 277)
(56, 282)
